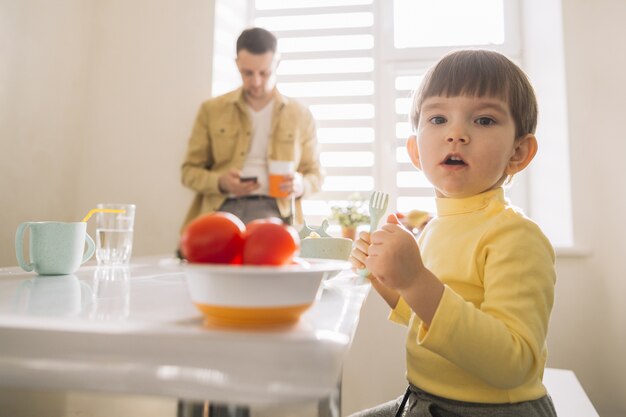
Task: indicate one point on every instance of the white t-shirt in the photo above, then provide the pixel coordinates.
(255, 164)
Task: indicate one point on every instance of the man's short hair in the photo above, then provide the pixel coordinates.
(256, 41)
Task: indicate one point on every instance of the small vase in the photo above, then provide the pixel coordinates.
(348, 232)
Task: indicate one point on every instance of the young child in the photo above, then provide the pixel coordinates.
(476, 289)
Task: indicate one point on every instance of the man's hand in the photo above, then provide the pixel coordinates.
(230, 183)
(293, 184)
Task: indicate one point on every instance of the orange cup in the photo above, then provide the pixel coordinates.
(277, 171)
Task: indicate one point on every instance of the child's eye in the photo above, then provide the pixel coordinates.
(485, 121)
(437, 120)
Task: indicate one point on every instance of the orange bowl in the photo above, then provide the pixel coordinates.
(257, 296)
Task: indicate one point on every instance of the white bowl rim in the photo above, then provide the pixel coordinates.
(315, 265)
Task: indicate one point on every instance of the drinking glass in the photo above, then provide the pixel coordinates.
(114, 234)
(277, 171)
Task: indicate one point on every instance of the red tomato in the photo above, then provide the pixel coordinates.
(254, 223)
(213, 238)
(269, 242)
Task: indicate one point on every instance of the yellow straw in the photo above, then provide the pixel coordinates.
(92, 211)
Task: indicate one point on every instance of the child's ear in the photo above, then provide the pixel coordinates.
(525, 151)
(411, 148)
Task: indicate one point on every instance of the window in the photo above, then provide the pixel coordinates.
(417, 24)
(355, 63)
(230, 20)
(327, 62)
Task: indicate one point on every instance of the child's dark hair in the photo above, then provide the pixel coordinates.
(256, 41)
(481, 73)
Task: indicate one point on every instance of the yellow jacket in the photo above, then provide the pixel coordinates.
(220, 140)
(487, 340)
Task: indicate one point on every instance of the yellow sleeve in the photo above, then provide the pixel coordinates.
(195, 169)
(401, 314)
(503, 340)
(310, 166)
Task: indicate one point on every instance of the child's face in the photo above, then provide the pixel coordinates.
(464, 144)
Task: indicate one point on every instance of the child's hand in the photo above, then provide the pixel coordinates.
(357, 259)
(393, 256)
(359, 251)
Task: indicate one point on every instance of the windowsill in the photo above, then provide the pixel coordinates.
(572, 252)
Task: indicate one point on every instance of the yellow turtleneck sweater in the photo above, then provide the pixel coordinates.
(487, 340)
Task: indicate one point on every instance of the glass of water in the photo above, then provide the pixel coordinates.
(114, 234)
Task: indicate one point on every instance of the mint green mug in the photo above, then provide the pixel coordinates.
(55, 248)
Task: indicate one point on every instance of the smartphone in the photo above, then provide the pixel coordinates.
(248, 179)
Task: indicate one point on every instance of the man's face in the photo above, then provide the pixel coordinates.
(257, 73)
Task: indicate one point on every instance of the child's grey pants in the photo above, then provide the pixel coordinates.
(422, 404)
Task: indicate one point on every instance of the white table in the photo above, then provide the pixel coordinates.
(568, 396)
(136, 331)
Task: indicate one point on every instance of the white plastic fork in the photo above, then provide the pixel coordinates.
(377, 208)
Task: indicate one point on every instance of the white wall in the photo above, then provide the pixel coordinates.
(97, 102)
(150, 71)
(80, 81)
(588, 330)
(44, 52)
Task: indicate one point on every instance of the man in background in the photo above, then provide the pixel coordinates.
(236, 135)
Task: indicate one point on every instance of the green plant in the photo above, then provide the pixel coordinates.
(351, 213)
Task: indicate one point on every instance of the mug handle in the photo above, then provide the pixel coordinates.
(91, 248)
(19, 247)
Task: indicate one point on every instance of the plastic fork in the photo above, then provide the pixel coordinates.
(377, 208)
